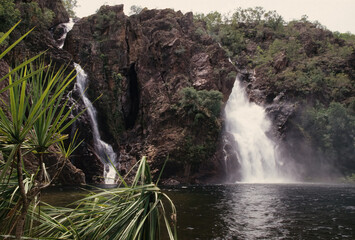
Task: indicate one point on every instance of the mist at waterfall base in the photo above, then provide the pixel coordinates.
(258, 155)
(104, 150)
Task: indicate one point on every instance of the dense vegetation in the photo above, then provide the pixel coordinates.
(201, 110)
(32, 122)
(33, 117)
(30, 13)
(305, 62)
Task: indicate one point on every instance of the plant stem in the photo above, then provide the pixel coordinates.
(24, 209)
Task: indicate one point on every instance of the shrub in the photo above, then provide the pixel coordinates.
(332, 131)
(9, 15)
(33, 15)
(104, 19)
(202, 101)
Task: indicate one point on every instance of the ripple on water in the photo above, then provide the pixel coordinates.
(263, 211)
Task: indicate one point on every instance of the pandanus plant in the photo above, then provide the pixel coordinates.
(33, 117)
(32, 121)
(136, 211)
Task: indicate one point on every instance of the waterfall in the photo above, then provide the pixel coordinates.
(248, 123)
(66, 28)
(103, 149)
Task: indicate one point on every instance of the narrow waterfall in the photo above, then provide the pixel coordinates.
(103, 149)
(248, 123)
(66, 28)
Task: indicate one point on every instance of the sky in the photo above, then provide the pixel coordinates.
(336, 15)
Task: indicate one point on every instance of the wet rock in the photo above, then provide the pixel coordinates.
(140, 64)
(69, 174)
(170, 182)
(280, 113)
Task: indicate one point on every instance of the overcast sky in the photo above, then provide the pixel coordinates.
(336, 15)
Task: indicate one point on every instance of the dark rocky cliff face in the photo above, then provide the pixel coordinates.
(140, 64)
(40, 40)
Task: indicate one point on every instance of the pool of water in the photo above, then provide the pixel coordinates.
(256, 211)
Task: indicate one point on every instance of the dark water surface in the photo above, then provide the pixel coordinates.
(256, 211)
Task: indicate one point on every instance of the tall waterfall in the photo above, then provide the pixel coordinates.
(248, 123)
(103, 149)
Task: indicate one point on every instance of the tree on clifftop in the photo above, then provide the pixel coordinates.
(69, 6)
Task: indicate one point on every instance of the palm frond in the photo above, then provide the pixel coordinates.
(133, 212)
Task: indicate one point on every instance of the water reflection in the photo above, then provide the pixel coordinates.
(257, 211)
(266, 211)
(253, 212)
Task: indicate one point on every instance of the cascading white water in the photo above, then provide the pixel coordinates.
(103, 149)
(66, 27)
(249, 125)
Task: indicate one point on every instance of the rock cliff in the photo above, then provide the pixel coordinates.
(140, 64)
(40, 40)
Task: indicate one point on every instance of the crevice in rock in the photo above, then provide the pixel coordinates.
(133, 98)
(270, 98)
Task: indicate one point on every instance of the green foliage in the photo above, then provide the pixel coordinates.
(301, 59)
(332, 130)
(232, 75)
(104, 18)
(129, 212)
(202, 101)
(213, 21)
(33, 15)
(69, 5)
(200, 31)
(258, 15)
(9, 15)
(232, 38)
(5, 42)
(348, 36)
(230, 30)
(203, 109)
(341, 85)
(290, 47)
(196, 153)
(31, 120)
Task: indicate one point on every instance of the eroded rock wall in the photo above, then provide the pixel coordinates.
(140, 64)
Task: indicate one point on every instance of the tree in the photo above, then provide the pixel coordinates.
(135, 9)
(69, 6)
